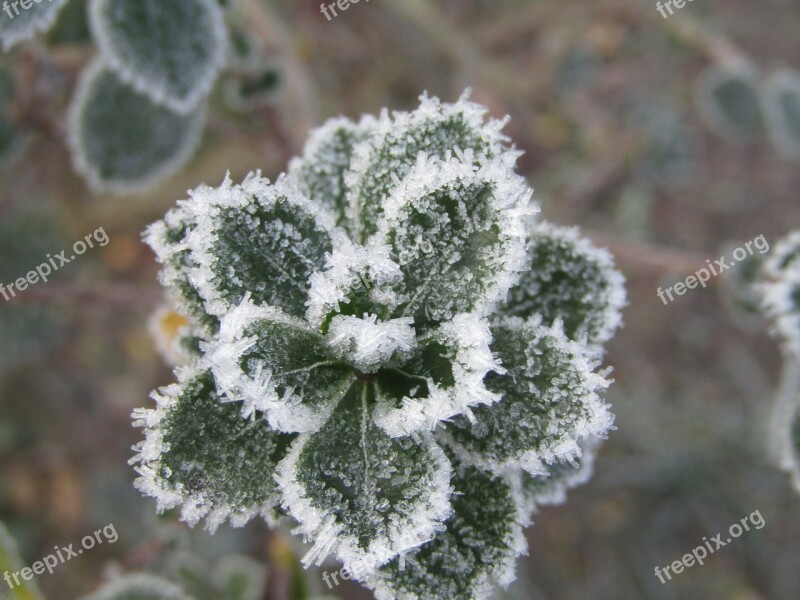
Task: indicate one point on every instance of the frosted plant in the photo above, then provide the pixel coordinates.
(729, 101)
(389, 350)
(169, 51)
(139, 106)
(780, 291)
(120, 139)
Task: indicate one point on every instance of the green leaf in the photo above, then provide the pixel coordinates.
(359, 493)
(476, 552)
(18, 24)
(170, 51)
(11, 562)
(240, 578)
(549, 404)
(139, 586)
(199, 453)
(258, 239)
(457, 235)
(442, 378)
(782, 111)
(120, 140)
(434, 129)
(278, 365)
(326, 158)
(572, 281)
(729, 102)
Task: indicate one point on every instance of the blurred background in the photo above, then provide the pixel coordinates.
(645, 131)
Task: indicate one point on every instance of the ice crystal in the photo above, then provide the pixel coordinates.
(780, 301)
(387, 348)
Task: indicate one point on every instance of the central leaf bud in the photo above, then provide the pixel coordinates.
(369, 344)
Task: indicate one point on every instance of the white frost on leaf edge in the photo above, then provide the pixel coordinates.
(558, 493)
(205, 204)
(599, 422)
(81, 163)
(346, 264)
(471, 337)
(9, 40)
(420, 525)
(194, 506)
(258, 392)
(777, 290)
(511, 199)
(155, 90)
(615, 298)
(160, 588)
(430, 108)
(369, 344)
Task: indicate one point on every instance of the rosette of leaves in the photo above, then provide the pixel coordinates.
(139, 107)
(392, 352)
(780, 302)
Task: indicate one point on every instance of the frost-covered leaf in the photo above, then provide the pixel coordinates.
(10, 562)
(240, 578)
(258, 239)
(167, 238)
(571, 280)
(476, 552)
(120, 140)
(442, 378)
(457, 234)
(278, 365)
(18, 24)
(549, 405)
(559, 477)
(434, 129)
(199, 453)
(139, 586)
(326, 158)
(729, 102)
(780, 291)
(170, 51)
(782, 111)
(359, 493)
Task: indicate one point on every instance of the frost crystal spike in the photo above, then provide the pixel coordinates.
(383, 339)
